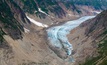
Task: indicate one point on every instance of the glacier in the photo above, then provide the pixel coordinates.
(57, 34)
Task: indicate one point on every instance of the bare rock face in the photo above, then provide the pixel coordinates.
(53, 12)
(86, 37)
(20, 48)
(99, 25)
(12, 19)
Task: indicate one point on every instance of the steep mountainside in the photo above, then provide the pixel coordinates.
(12, 19)
(89, 41)
(23, 43)
(97, 4)
(13, 13)
(53, 11)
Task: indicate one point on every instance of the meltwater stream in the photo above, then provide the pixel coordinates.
(57, 34)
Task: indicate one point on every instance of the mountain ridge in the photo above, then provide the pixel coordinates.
(91, 35)
(23, 43)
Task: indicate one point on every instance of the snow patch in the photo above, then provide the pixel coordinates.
(73, 15)
(44, 13)
(97, 12)
(36, 22)
(26, 30)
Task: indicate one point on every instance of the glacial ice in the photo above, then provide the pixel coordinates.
(57, 34)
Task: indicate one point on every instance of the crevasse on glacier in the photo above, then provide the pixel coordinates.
(57, 34)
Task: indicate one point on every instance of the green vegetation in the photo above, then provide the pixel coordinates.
(102, 57)
(52, 6)
(97, 4)
(105, 32)
(104, 62)
(1, 35)
(7, 17)
(29, 6)
(7, 20)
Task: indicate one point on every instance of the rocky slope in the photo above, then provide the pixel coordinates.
(12, 19)
(97, 4)
(23, 43)
(88, 41)
(53, 11)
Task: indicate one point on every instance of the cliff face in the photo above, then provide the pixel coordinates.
(13, 14)
(89, 39)
(12, 19)
(54, 11)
